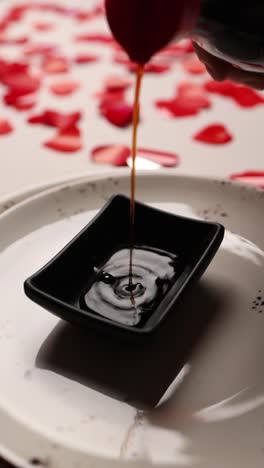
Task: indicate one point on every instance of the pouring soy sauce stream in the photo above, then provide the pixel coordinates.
(229, 30)
(128, 20)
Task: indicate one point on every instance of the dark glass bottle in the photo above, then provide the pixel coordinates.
(230, 29)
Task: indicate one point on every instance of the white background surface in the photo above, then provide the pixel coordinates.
(25, 162)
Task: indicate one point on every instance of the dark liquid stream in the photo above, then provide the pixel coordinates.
(140, 73)
(131, 284)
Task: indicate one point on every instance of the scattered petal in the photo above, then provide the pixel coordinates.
(250, 177)
(190, 100)
(13, 41)
(242, 95)
(119, 155)
(42, 26)
(99, 38)
(67, 140)
(164, 158)
(194, 66)
(55, 64)
(20, 102)
(64, 88)
(112, 101)
(5, 127)
(117, 83)
(120, 115)
(39, 49)
(21, 82)
(178, 107)
(83, 59)
(56, 119)
(116, 155)
(153, 67)
(216, 134)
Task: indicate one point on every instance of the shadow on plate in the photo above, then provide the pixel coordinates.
(138, 374)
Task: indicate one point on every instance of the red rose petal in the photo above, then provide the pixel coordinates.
(214, 134)
(242, 95)
(25, 102)
(112, 101)
(182, 106)
(56, 119)
(43, 26)
(67, 140)
(16, 13)
(120, 115)
(163, 158)
(86, 58)
(250, 177)
(117, 83)
(39, 49)
(99, 38)
(110, 98)
(5, 127)
(55, 64)
(7, 68)
(178, 107)
(64, 88)
(194, 66)
(158, 68)
(20, 99)
(116, 155)
(189, 101)
(13, 41)
(21, 82)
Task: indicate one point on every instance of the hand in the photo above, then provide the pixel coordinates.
(221, 70)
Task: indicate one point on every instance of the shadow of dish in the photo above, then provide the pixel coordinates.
(138, 375)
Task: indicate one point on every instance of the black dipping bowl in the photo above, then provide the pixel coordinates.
(60, 284)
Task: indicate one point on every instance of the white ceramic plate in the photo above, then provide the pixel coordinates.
(11, 199)
(62, 391)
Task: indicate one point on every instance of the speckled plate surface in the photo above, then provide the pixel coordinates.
(63, 398)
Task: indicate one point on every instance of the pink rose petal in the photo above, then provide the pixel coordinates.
(193, 66)
(116, 155)
(190, 100)
(120, 114)
(164, 158)
(83, 58)
(5, 127)
(250, 177)
(42, 26)
(67, 140)
(22, 103)
(55, 64)
(64, 88)
(56, 119)
(117, 83)
(100, 38)
(216, 134)
(242, 95)
(39, 49)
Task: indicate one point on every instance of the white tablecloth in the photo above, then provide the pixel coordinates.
(25, 162)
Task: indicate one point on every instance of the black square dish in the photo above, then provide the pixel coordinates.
(171, 252)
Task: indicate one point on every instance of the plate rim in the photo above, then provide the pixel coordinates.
(61, 184)
(10, 455)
